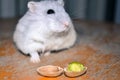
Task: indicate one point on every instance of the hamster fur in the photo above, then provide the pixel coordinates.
(45, 27)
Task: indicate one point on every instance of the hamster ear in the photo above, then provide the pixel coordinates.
(31, 6)
(61, 2)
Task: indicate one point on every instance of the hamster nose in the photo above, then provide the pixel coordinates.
(66, 24)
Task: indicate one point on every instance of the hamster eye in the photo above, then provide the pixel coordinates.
(50, 11)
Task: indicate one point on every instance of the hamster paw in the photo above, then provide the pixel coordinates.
(47, 54)
(35, 58)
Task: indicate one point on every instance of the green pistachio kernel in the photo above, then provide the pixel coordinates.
(75, 67)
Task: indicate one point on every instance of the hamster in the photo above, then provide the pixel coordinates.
(45, 27)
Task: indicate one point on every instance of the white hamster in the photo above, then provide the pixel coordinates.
(46, 26)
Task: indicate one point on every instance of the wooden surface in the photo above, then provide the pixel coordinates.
(97, 47)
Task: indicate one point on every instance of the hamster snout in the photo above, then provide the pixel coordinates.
(66, 24)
